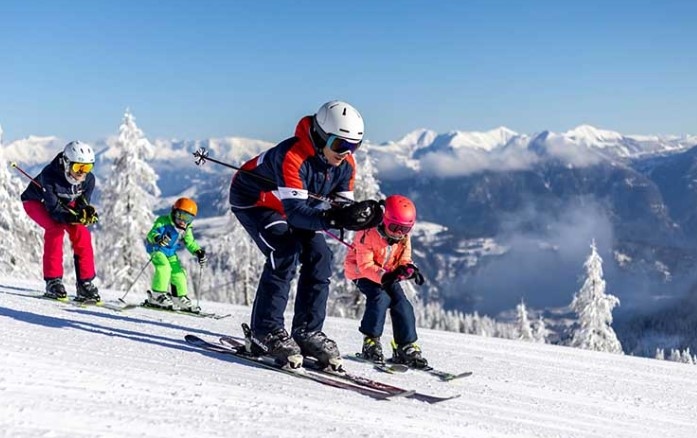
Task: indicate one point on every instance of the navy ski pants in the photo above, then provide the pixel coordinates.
(285, 247)
(378, 301)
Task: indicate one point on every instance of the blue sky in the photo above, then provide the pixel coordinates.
(199, 69)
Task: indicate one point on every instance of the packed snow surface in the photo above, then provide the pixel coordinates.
(92, 372)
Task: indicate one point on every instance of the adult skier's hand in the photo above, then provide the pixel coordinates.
(357, 216)
(88, 215)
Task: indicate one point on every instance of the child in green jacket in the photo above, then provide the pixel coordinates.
(163, 241)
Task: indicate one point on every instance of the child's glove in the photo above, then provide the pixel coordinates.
(413, 272)
(201, 256)
(163, 239)
(398, 274)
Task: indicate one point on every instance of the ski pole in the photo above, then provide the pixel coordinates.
(330, 234)
(135, 281)
(198, 285)
(13, 164)
(202, 156)
(38, 184)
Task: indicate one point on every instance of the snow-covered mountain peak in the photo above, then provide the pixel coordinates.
(418, 138)
(592, 136)
(483, 140)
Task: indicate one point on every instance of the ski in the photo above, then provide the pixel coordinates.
(311, 365)
(445, 376)
(383, 367)
(119, 307)
(392, 368)
(70, 302)
(301, 373)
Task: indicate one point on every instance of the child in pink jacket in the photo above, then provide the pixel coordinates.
(379, 259)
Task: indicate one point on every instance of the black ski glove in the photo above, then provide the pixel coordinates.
(201, 256)
(398, 274)
(414, 274)
(357, 216)
(162, 239)
(88, 215)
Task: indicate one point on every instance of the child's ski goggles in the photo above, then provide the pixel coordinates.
(183, 217)
(398, 229)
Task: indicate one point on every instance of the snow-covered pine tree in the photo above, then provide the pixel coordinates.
(523, 326)
(660, 354)
(594, 309)
(125, 212)
(540, 332)
(22, 242)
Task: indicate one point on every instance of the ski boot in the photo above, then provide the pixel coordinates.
(184, 304)
(409, 355)
(372, 350)
(87, 292)
(55, 290)
(318, 345)
(277, 345)
(160, 300)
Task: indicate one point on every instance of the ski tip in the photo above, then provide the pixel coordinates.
(191, 338)
(402, 394)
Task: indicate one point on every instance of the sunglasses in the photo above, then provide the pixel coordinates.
(81, 168)
(398, 229)
(341, 145)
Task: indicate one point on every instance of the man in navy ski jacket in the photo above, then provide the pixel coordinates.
(274, 196)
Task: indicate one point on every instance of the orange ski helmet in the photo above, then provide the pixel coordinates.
(187, 205)
(183, 212)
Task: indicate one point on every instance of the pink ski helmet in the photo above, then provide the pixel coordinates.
(400, 215)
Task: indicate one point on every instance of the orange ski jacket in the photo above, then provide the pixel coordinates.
(372, 256)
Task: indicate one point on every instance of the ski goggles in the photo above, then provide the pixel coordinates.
(81, 167)
(183, 217)
(398, 229)
(341, 145)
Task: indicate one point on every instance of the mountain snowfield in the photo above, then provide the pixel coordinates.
(92, 372)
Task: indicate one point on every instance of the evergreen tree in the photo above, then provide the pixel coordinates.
(594, 309)
(540, 332)
(125, 211)
(22, 242)
(524, 327)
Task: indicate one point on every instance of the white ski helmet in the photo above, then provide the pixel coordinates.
(340, 119)
(76, 152)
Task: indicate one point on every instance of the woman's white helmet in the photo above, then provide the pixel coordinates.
(340, 119)
(76, 152)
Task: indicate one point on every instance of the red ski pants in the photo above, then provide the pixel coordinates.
(80, 239)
